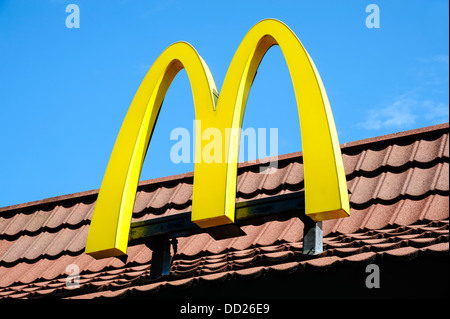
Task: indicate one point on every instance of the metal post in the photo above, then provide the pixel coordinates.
(312, 237)
(161, 259)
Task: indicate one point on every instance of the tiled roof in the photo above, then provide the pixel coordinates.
(399, 197)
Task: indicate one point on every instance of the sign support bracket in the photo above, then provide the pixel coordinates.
(161, 258)
(160, 233)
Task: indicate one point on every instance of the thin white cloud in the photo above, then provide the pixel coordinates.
(433, 71)
(419, 107)
(397, 114)
(435, 111)
(405, 112)
(442, 58)
(438, 58)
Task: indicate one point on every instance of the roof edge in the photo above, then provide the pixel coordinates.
(400, 135)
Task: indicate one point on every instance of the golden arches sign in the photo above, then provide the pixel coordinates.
(213, 203)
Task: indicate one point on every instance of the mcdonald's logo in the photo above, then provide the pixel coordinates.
(214, 189)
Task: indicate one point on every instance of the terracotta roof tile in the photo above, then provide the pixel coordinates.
(366, 257)
(399, 200)
(35, 222)
(438, 247)
(251, 183)
(374, 159)
(14, 225)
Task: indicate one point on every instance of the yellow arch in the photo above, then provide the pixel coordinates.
(110, 224)
(326, 194)
(214, 191)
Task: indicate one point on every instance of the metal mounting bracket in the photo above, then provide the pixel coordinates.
(159, 233)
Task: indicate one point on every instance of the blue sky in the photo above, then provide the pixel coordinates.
(65, 92)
